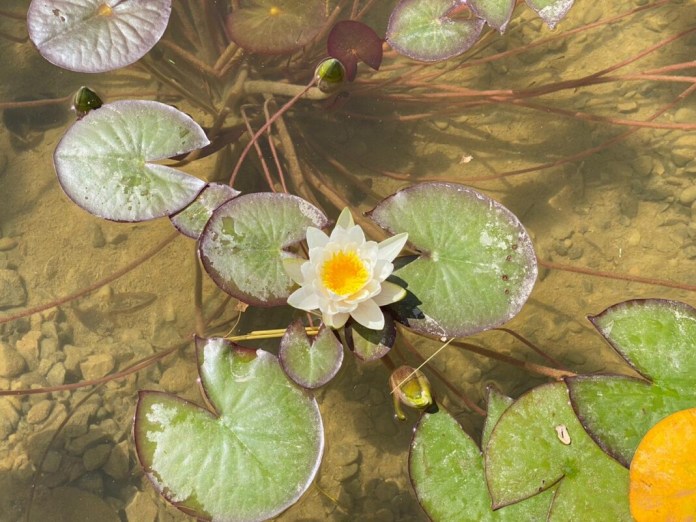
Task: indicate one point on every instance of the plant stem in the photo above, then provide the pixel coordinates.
(268, 334)
(289, 90)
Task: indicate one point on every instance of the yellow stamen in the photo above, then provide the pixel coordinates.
(105, 10)
(344, 273)
(274, 11)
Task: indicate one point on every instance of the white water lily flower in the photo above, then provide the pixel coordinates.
(345, 275)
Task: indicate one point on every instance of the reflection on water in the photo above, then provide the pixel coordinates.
(626, 208)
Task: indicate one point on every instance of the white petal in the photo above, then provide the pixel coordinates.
(304, 299)
(345, 220)
(356, 235)
(369, 315)
(390, 248)
(293, 267)
(316, 238)
(335, 320)
(391, 293)
(382, 270)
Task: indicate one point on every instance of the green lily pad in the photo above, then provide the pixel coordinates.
(276, 27)
(476, 266)
(249, 457)
(658, 339)
(95, 35)
(446, 469)
(496, 13)
(193, 218)
(496, 404)
(102, 161)
(425, 31)
(310, 364)
(551, 11)
(539, 442)
(368, 344)
(244, 242)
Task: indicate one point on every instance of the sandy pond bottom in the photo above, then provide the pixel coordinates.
(627, 209)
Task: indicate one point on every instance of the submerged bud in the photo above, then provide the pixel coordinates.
(330, 75)
(85, 100)
(411, 388)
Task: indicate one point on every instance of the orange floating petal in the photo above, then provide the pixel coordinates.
(663, 471)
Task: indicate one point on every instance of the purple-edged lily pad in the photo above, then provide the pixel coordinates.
(658, 339)
(96, 35)
(244, 242)
(193, 218)
(276, 26)
(370, 345)
(103, 160)
(551, 11)
(538, 443)
(310, 363)
(446, 469)
(432, 30)
(350, 41)
(476, 266)
(496, 13)
(247, 458)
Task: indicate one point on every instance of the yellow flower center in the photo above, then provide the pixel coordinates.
(344, 273)
(104, 10)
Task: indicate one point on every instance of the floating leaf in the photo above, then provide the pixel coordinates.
(429, 31)
(96, 35)
(310, 364)
(496, 13)
(244, 242)
(551, 11)
(193, 218)
(367, 344)
(496, 404)
(102, 160)
(350, 41)
(476, 266)
(249, 458)
(446, 470)
(276, 26)
(657, 338)
(663, 481)
(539, 442)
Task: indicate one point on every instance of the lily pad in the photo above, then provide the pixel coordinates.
(102, 161)
(446, 469)
(476, 266)
(193, 218)
(538, 443)
(663, 482)
(350, 41)
(276, 26)
(368, 344)
(249, 457)
(427, 30)
(658, 339)
(96, 35)
(311, 364)
(551, 11)
(244, 242)
(496, 404)
(496, 13)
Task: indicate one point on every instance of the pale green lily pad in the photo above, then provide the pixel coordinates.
(193, 218)
(551, 11)
(310, 363)
(539, 442)
(368, 344)
(476, 266)
(496, 13)
(658, 339)
(102, 161)
(446, 470)
(96, 35)
(496, 404)
(423, 30)
(244, 242)
(249, 458)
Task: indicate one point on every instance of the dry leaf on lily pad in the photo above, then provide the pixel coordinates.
(663, 471)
